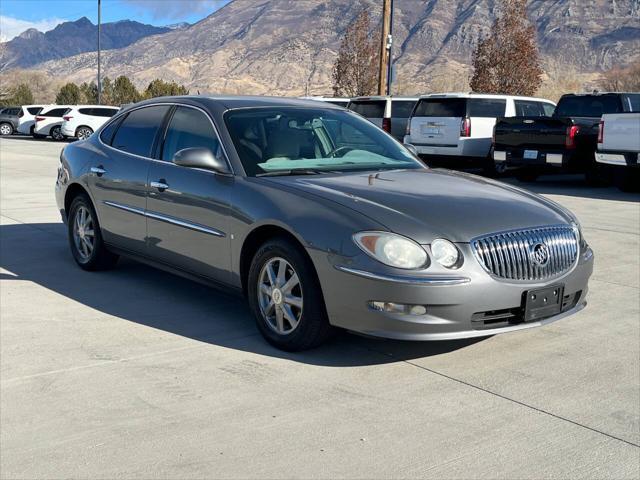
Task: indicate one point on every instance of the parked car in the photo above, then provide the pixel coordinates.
(82, 120)
(340, 101)
(619, 148)
(27, 118)
(566, 141)
(9, 120)
(49, 122)
(389, 113)
(454, 129)
(322, 220)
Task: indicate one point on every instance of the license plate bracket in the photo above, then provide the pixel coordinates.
(530, 154)
(543, 302)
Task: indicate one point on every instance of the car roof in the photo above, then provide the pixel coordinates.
(95, 106)
(482, 95)
(382, 97)
(230, 102)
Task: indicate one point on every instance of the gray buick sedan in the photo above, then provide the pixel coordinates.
(321, 219)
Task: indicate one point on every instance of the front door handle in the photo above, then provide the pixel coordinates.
(99, 170)
(160, 185)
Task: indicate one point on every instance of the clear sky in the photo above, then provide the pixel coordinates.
(18, 15)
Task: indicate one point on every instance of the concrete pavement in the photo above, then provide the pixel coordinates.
(135, 373)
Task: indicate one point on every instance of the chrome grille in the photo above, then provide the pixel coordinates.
(517, 255)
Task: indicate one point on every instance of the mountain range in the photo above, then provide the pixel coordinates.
(71, 38)
(289, 46)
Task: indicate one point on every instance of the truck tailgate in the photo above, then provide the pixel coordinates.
(541, 133)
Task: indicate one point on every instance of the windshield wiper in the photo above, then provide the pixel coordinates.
(294, 171)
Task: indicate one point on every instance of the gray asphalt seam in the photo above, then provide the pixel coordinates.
(518, 402)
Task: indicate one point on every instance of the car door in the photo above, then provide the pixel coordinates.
(118, 175)
(188, 208)
(49, 119)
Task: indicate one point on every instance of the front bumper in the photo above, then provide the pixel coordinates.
(459, 304)
(67, 131)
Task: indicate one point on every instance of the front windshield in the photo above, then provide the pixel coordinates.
(275, 140)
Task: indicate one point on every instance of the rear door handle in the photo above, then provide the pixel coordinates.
(98, 170)
(160, 185)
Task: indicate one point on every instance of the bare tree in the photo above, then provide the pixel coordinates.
(508, 61)
(355, 71)
(622, 79)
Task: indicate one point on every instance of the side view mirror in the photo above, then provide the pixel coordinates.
(199, 158)
(412, 149)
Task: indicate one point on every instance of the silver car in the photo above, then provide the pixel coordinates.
(320, 219)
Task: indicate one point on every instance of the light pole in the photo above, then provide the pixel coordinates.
(99, 31)
(389, 47)
(384, 72)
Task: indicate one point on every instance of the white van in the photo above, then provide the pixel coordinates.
(389, 113)
(459, 126)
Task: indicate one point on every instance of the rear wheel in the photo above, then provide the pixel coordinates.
(83, 133)
(85, 237)
(286, 298)
(56, 133)
(6, 129)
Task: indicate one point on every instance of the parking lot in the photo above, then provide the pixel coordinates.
(136, 373)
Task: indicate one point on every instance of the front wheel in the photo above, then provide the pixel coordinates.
(85, 237)
(286, 298)
(6, 129)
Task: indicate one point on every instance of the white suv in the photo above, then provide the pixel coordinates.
(389, 113)
(49, 122)
(82, 120)
(459, 126)
(27, 118)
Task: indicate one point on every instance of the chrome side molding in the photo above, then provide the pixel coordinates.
(167, 219)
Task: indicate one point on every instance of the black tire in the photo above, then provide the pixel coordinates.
(627, 179)
(597, 175)
(492, 169)
(56, 133)
(527, 175)
(82, 133)
(6, 129)
(99, 258)
(313, 327)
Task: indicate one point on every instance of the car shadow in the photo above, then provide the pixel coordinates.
(137, 293)
(572, 186)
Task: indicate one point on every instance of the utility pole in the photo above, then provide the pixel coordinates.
(99, 32)
(385, 47)
(389, 50)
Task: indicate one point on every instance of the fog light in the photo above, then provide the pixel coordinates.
(398, 308)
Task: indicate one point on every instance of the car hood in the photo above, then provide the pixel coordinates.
(429, 204)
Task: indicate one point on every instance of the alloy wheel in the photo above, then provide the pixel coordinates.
(84, 133)
(56, 134)
(5, 129)
(280, 295)
(83, 233)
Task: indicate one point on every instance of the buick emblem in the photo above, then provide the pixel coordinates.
(539, 254)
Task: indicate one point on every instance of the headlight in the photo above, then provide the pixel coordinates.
(392, 249)
(445, 253)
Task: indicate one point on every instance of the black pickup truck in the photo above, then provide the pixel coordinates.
(566, 141)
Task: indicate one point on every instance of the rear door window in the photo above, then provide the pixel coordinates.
(486, 107)
(369, 108)
(588, 106)
(34, 110)
(56, 112)
(441, 107)
(528, 108)
(87, 111)
(137, 132)
(104, 112)
(402, 108)
(632, 102)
